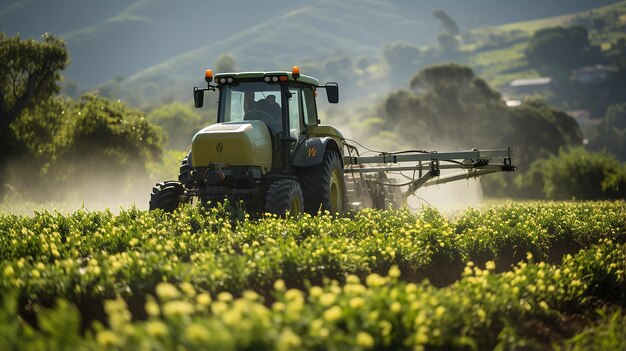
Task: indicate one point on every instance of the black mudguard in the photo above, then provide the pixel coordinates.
(311, 151)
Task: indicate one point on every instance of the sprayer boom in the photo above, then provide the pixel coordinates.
(371, 172)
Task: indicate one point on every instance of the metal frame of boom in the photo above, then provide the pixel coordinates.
(474, 163)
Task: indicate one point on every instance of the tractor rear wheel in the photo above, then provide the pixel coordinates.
(323, 186)
(284, 195)
(166, 196)
(184, 171)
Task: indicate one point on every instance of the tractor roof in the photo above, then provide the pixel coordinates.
(261, 75)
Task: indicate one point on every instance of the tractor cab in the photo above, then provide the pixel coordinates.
(283, 101)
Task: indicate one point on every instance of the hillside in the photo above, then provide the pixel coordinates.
(499, 64)
(121, 38)
(335, 30)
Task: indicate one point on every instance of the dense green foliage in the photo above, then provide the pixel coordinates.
(583, 175)
(29, 73)
(180, 122)
(559, 50)
(610, 135)
(199, 278)
(447, 105)
(66, 144)
(72, 144)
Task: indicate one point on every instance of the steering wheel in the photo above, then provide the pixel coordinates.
(269, 117)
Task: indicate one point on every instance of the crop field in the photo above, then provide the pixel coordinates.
(510, 276)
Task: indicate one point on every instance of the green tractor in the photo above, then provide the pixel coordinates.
(267, 148)
(269, 151)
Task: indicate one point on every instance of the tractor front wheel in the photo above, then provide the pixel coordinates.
(323, 186)
(284, 195)
(166, 196)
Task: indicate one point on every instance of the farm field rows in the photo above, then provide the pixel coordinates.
(514, 275)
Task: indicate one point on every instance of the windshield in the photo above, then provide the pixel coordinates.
(252, 101)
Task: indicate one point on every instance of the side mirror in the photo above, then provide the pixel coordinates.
(332, 92)
(198, 97)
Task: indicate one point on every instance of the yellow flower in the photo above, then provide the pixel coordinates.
(288, 340)
(316, 291)
(35, 273)
(224, 296)
(327, 299)
(374, 280)
(543, 305)
(420, 318)
(352, 279)
(279, 285)
(333, 314)
(188, 289)
(107, 338)
(218, 307)
(8, 271)
(421, 338)
(167, 291)
(364, 340)
(394, 272)
(177, 308)
(482, 315)
(197, 333)
(439, 311)
(250, 295)
(152, 308)
(294, 294)
(203, 299)
(356, 302)
(278, 306)
(156, 328)
(490, 265)
(395, 307)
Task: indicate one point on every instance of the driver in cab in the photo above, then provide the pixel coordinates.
(268, 111)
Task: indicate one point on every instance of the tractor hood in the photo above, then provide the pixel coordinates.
(234, 143)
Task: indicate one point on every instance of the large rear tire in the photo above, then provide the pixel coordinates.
(284, 195)
(166, 196)
(323, 186)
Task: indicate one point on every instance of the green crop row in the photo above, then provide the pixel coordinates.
(211, 262)
(482, 310)
(101, 255)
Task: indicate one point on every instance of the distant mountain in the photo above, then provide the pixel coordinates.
(161, 45)
(307, 33)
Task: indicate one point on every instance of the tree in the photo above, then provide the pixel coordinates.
(448, 31)
(558, 50)
(179, 123)
(539, 131)
(29, 73)
(610, 136)
(225, 63)
(455, 106)
(448, 25)
(583, 175)
(102, 149)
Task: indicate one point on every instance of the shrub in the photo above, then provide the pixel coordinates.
(580, 174)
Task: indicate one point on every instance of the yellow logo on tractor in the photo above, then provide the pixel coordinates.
(312, 151)
(219, 147)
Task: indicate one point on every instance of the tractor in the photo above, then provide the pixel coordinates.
(269, 151)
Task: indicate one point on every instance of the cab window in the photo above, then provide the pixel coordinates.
(294, 112)
(252, 101)
(309, 109)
